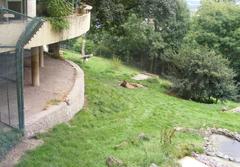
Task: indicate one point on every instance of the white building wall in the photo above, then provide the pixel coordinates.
(32, 8)
(2, 3)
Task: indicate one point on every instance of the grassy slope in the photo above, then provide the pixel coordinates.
(115, 114)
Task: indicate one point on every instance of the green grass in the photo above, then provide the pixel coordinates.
(114, 115)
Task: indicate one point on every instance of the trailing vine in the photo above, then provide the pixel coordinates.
(56, 12)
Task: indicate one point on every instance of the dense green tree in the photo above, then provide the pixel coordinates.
(108, 14)
(203, 75)
(217, 25)
(151, 34)
(148, 41)
(141, 42)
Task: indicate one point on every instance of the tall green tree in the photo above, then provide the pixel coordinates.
(203, 75)
(217, 25)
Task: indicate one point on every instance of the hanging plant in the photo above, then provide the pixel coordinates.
(57, 10)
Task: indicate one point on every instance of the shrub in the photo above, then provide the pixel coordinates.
(202, 75)
(116, 62)
(89, 45)
(76, 45)
(57, 10)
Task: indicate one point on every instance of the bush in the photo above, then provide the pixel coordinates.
(76, 45)
(203, 76)
(89, 46)
(56, 11)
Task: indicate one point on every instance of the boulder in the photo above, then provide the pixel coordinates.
(114, 162)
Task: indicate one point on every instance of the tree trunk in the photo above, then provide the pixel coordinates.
(151, 65)
(35, 66)
(83, 46)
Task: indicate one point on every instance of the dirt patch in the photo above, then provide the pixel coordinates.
(13, 157)
(236, 110)
(144, 76)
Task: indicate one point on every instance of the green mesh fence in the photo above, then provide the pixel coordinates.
(11, 74)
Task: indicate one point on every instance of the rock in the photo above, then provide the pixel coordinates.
(113, 162)
(191, 162)
(153, 165)
(226, 157)
(179, 129)
(141, 77)
(236, 109)
(143, 137)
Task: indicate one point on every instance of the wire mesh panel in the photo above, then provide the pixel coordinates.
(16, 30)
(8, 90)
(9, 110)
(8, 138)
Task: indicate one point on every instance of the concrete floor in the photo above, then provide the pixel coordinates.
(56, 80)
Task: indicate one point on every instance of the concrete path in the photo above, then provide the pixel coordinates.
(191, 162)
(56, 80)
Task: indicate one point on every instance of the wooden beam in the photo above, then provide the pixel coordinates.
(41, 56)
(35, 66)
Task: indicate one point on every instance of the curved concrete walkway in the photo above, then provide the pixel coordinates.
(59, 97)
(39, 119)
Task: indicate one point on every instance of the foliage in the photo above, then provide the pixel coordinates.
(76, 45)
(178, 26)
(107, 14)
(140, 42)
(143, 33)
(114, 115)
(203, 75)
(216, 25)
(57, 10)
(116, 63)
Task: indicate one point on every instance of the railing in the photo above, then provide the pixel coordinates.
(13, 26)
(8, 16)
(30, 30)
(15, 43)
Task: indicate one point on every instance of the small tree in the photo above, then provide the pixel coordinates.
(203, 76)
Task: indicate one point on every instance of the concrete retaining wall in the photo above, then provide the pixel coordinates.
(78, 25)
(60, 113)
